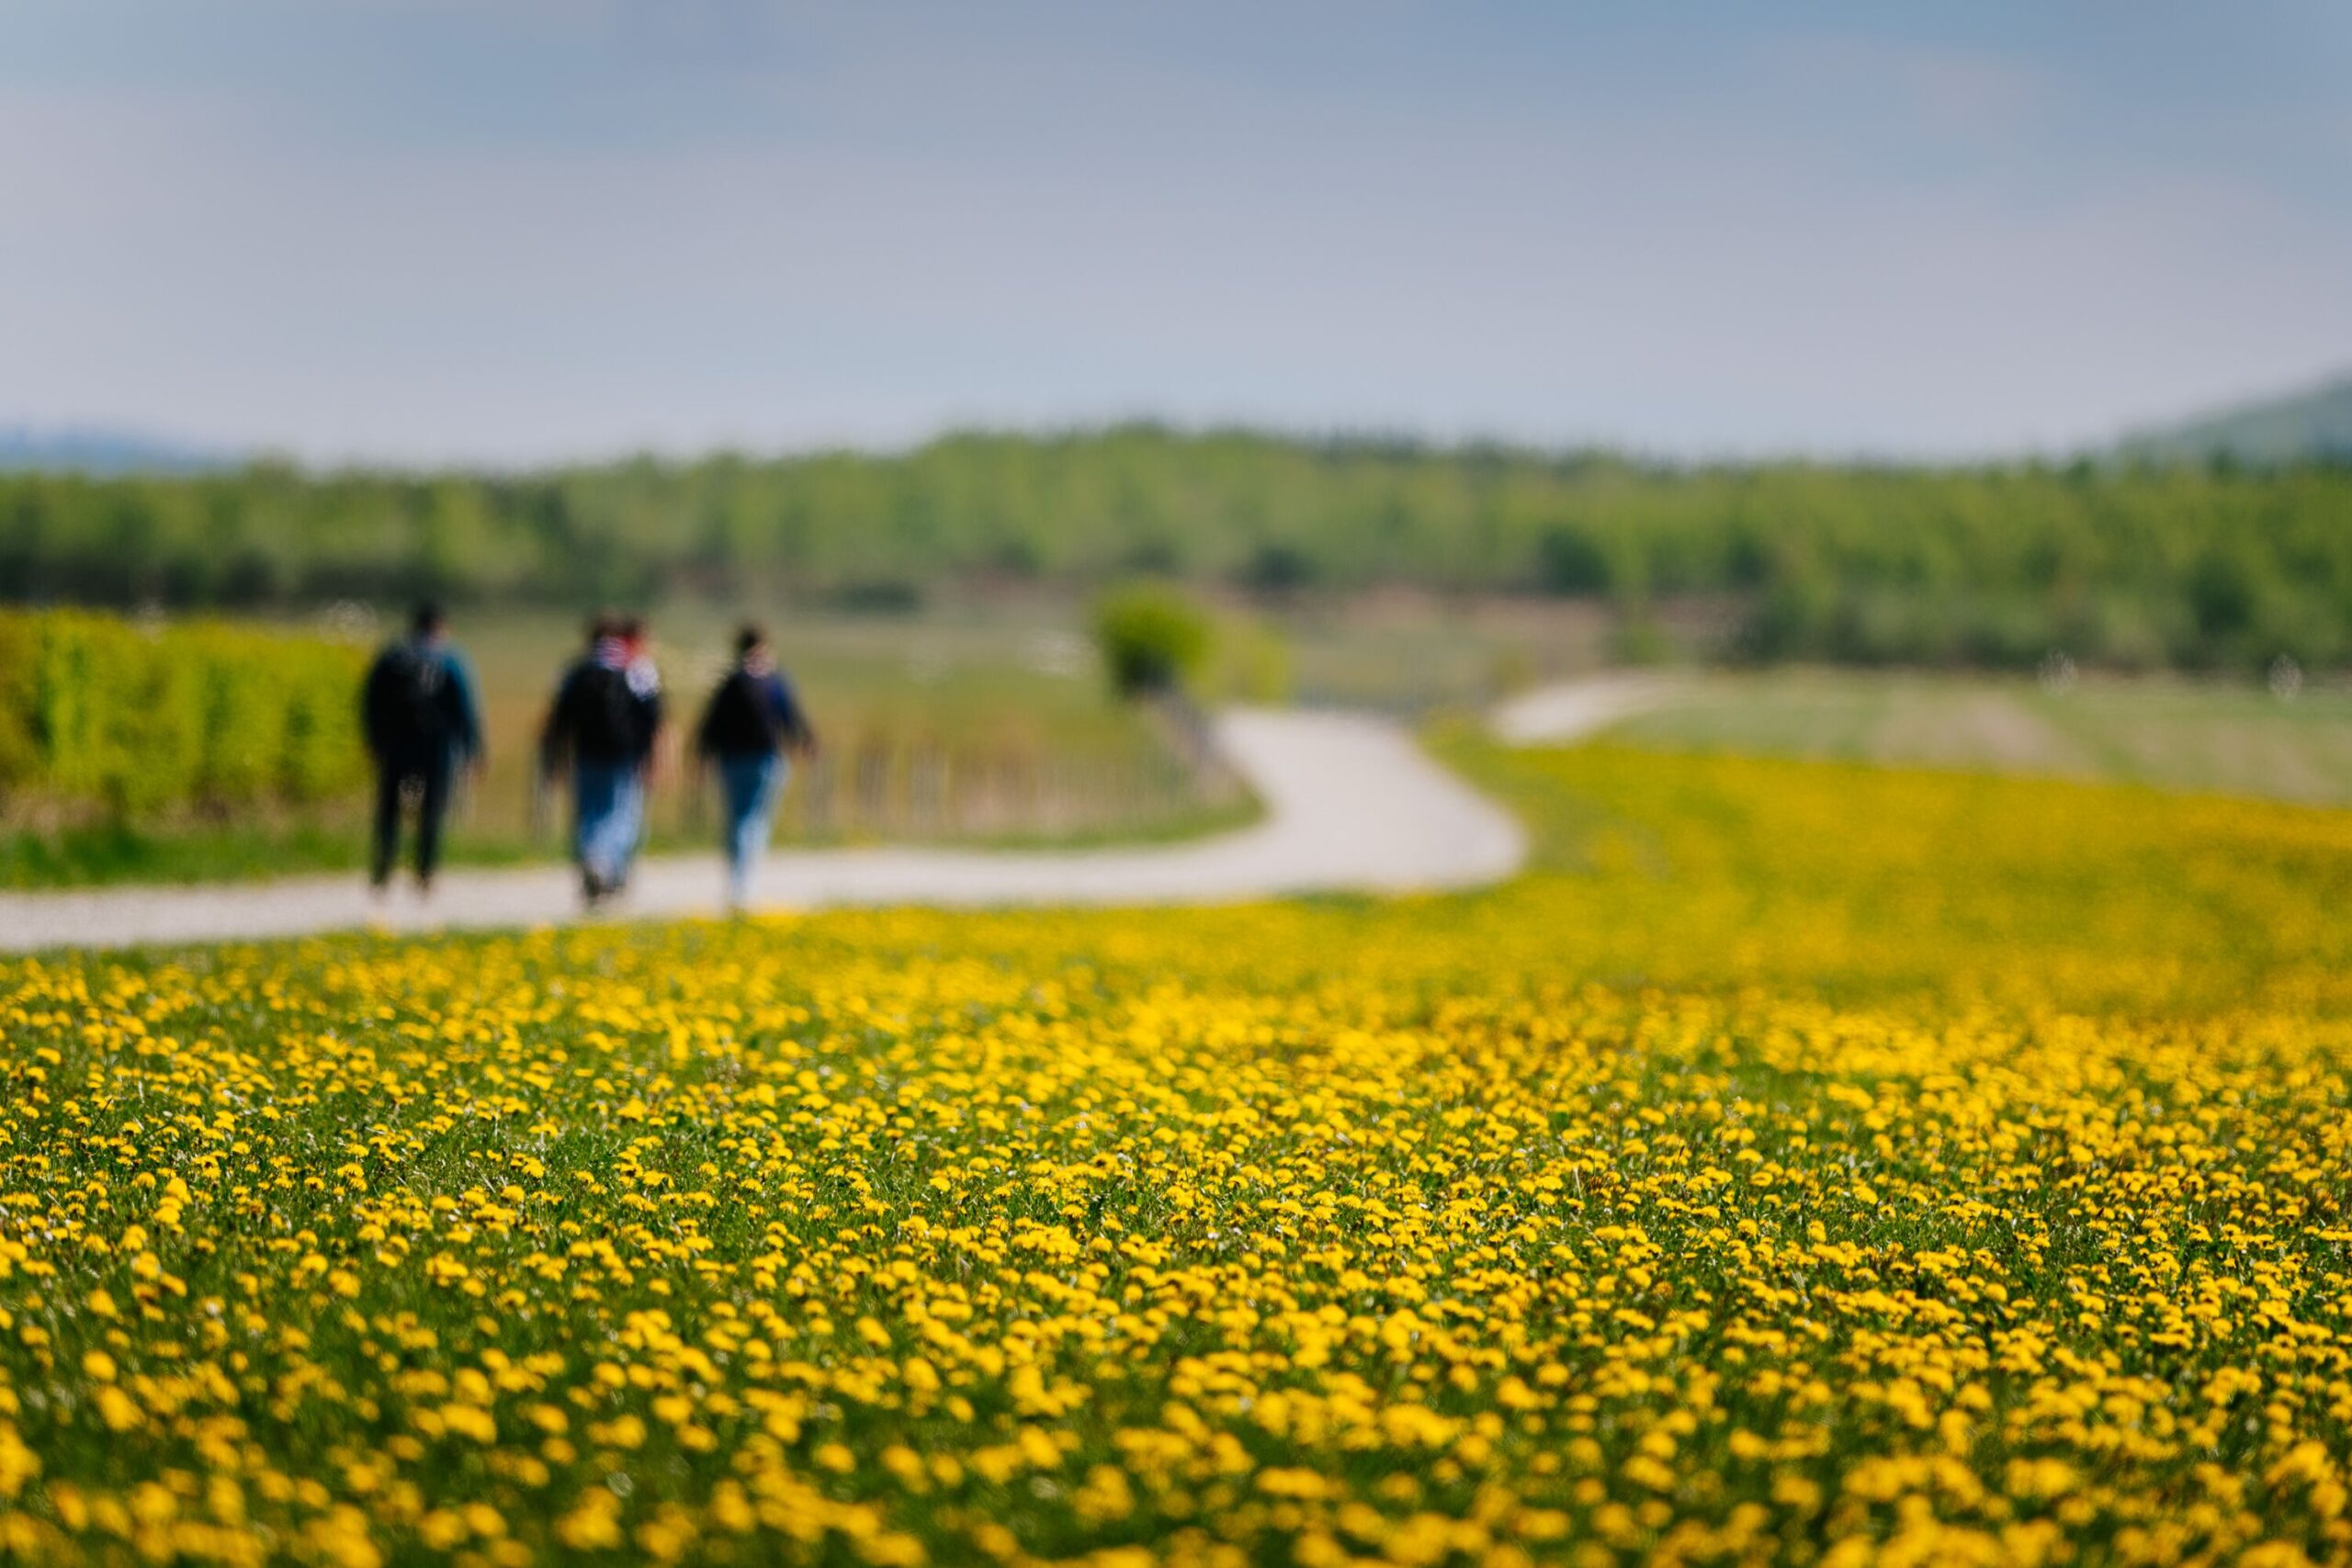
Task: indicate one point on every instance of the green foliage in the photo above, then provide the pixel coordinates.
(2189, 566)
(1254, 662)
(2216, 737)
(102, 720)
(1152, 639)
(1569, 561)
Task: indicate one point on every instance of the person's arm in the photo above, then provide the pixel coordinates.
(790, 717)
(650, 717)
(371, 706)
(700, 754)
(706, 728)
(472, 747)
(555, 736)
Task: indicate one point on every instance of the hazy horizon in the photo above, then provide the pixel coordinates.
(101, 449)
(520, 232)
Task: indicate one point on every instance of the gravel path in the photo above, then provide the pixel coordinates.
(1573, 709)
(1351, 802)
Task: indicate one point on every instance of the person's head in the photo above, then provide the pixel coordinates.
(749, 643)
(630, 629)
(602, 624)
(428, 621)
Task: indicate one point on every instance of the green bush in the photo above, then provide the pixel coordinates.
(1152, 639)
(104, 719)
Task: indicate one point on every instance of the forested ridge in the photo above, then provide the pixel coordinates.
(2187, 566)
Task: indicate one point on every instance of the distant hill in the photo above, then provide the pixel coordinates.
(23, 447)
(2298, 427)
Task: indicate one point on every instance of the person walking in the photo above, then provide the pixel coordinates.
(606, 713)
(422, 723)
(753, 724)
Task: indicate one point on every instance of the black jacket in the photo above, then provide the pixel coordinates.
(602, 716)
(752, 714)
(418, 706)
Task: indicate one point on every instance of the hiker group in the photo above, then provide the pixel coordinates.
(423, 723)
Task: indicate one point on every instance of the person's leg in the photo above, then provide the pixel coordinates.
(731, 830)
(740, 778)
(388, 823)
(751, 788)
(591, 802)
(432, 807)
(774, 771)
(628, 822)
(611, 809)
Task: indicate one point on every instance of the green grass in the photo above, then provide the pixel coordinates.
(82, 857)
(1414, 652)
(118, 855)
(2215, 737)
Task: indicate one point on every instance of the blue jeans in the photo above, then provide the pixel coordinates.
(751, 785)
(609, 801)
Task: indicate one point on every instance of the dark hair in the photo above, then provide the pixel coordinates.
(750, 637)
(427, 618)
(629, 628)
(602, 624)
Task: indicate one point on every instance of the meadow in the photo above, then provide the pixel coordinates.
(1808, 1162)
(2232, 738)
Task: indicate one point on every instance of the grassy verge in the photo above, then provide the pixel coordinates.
(98, 857)
(2228, 738)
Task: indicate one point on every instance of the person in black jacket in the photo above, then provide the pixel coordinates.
(418, 712)
(606, 713)
(752, 722)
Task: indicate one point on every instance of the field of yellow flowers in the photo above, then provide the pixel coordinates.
(1812, 1164)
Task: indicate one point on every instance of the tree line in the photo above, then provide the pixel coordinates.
(2193, 566)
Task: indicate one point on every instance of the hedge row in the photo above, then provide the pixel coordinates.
(102, 717)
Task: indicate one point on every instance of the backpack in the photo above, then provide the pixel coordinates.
(741, 723)
(605, 724)
(409, 702)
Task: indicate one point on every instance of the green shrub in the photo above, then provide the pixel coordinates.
(101, 719)
(1152, 639)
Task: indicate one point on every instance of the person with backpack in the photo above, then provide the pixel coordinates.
(752, 722)
(422, 724)
(606, 713)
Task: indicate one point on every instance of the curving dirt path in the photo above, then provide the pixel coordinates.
(1570, 710)
(1351, 804)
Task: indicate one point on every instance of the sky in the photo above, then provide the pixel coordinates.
(516, 232)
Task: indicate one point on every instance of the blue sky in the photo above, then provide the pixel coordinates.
(511, 230)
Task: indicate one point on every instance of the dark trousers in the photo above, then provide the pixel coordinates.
(427, 779)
